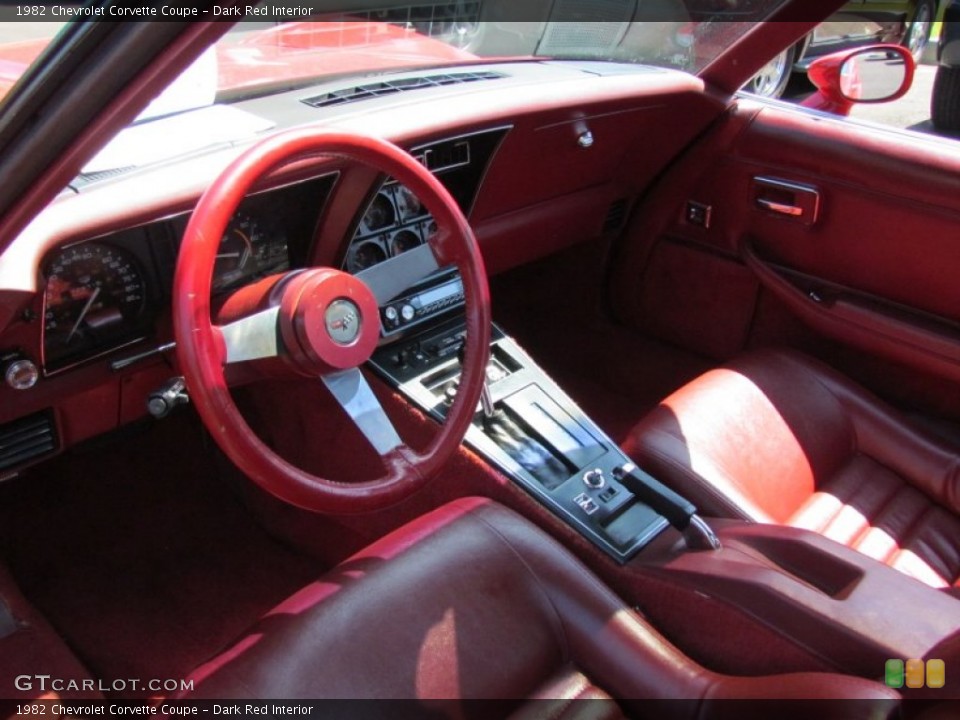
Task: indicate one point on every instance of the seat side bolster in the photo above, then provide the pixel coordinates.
(927, 461)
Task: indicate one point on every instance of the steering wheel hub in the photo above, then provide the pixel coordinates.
(329, 321)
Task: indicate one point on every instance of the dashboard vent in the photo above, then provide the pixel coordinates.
(27, 439)
(616, 214)
(88, 178)
(390, 87)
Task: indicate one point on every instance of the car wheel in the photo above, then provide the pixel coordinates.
(773, 77)
(918, 34)
(945, 100)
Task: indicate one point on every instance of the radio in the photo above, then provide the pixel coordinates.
(414, 308)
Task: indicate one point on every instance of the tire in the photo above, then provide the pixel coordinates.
(945, 99)
(918, 33)
(772, 80)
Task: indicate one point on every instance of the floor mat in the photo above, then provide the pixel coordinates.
(139, 557)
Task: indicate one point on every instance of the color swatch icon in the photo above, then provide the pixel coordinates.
(915, 673)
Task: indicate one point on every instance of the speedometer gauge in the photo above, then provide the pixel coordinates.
(93, 293)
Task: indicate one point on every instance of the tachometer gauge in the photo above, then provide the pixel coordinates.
(93, 293)
(241, 250)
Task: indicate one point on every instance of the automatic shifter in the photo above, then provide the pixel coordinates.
(678, 511)
(486, 397)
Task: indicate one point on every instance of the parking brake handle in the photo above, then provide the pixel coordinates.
(679, 512)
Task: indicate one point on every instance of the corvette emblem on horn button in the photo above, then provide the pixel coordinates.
(342, 319)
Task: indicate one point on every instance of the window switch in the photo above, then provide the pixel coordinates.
(698, 214)
(586, 503)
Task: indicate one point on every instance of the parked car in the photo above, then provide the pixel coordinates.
(858, 23)
(370, 367)
(945, 98)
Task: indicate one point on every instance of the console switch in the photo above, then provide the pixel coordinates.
(594, 479)
(586, 503)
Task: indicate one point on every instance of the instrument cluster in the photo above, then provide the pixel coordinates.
(105, 293)
(395, 221)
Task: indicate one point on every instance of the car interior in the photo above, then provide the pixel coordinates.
(632, 389)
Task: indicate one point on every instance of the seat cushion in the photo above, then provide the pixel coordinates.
(473, 602)
(780, 438)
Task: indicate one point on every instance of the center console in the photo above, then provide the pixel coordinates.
(817, 603)
(529, 428)
(797, 600)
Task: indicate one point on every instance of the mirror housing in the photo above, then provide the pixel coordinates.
(872, 74)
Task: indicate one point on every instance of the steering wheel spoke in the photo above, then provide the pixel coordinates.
(254, 337)
(353, 392)
(387, 280)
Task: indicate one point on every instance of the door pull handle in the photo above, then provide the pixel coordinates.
(780, 208)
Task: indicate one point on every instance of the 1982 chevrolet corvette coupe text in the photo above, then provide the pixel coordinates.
(490, 360)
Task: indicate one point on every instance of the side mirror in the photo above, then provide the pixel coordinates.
(872, 74)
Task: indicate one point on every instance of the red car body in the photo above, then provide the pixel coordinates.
(288, 53)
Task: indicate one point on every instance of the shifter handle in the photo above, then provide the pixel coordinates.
(679, 512)
(486, 397)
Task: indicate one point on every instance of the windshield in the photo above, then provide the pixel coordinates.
(276, 46)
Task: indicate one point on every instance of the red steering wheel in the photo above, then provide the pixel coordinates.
(324, 323)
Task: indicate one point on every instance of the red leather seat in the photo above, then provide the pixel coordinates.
(34, 662)
(472, 601)
(776, 437)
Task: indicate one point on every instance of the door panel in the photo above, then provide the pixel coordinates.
(876, 266)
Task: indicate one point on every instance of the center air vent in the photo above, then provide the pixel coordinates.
(26, 439)
(390, 87)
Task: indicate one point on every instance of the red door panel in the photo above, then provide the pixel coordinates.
(857, 238)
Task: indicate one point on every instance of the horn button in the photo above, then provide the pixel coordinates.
(342, 319)
(329, 321)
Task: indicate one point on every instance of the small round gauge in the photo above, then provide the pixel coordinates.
(408, 204)
(380, 214)
(366, 255)
(430, 230)
(242, 248)
(403, 241)
(93, 292)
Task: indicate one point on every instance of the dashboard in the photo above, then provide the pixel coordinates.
(86, 288)
(103, 294)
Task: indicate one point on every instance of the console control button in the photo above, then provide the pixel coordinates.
(450, 393)
(391, 316)
(594, 478)
(407, 313)
(586, 503)
(21, 374)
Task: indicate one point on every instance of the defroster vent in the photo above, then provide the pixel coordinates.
(390, 87)
(27, 439)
